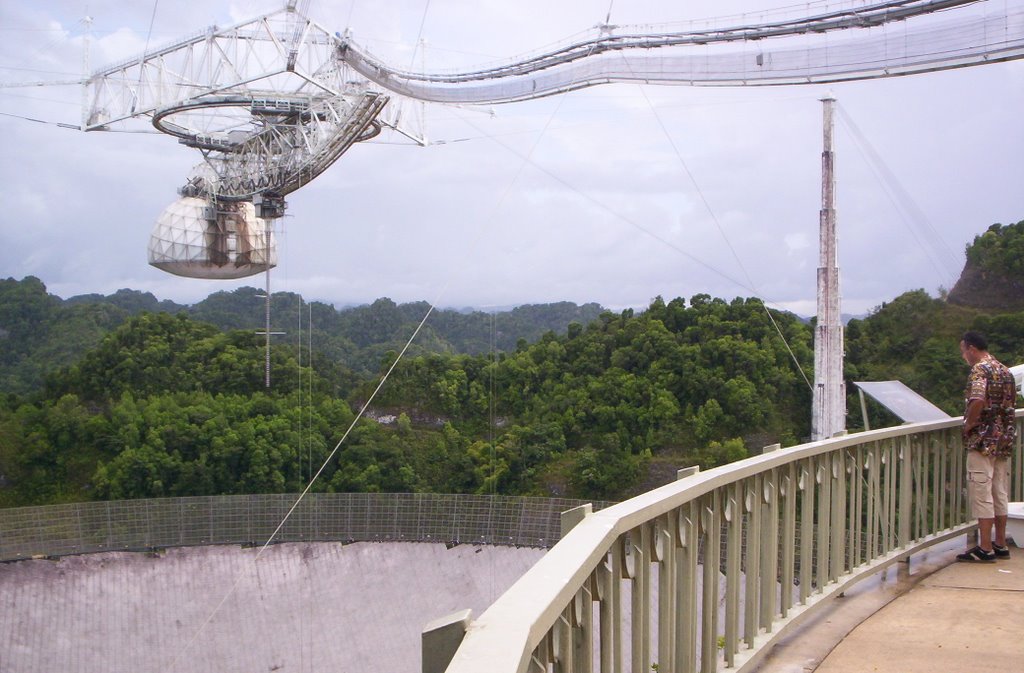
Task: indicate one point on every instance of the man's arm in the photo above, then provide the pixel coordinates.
(973, 416)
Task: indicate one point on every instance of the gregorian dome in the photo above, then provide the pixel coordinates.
(202, 238)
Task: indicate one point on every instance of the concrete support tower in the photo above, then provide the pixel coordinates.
(829, 413)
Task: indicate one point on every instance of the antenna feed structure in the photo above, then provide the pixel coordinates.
(203, 235)
(268, 106)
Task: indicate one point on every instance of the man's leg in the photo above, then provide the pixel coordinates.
(1000, 497)
(985, 533)
(981, 494)
(1000, 527)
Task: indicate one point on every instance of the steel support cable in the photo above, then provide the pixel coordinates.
(661, 240)
(149, 34)
(419, 34)
(728, 243)
(930, 241)
(41, 121)
(291, 510)
(721, 231)
(366, 405)
(526, 160)
(614, 213)
(891, 181)
(60, 38)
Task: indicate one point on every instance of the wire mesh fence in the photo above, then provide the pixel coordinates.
(141, 525)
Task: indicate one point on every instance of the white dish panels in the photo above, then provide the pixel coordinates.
(197, 238)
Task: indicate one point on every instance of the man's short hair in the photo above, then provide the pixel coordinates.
(975, 339)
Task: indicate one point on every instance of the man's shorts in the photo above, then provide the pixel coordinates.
(988, 485)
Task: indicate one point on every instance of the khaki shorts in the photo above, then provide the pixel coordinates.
(988, 481)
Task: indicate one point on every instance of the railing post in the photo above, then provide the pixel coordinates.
(441, 638)
(806, 487)
(620, 571)
(687, 472)
(583, 640)
(711, 520)
(751, 493)
(640, 600)
(823, 537)
(733, 551)
(855, 517)
(602, 589)
(906, 491)
(686, 580)
(839, 528)
(770, 552)
(788, 490)
(571, 517)
(667, 608)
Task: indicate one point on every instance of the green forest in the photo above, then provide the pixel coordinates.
(125, 396)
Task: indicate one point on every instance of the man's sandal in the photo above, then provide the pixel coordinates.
(977, 555)
(1000, 552)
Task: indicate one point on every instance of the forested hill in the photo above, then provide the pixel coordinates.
(40, 332)
(993, 277)
(144, 399)
(914, 339)
(167, 405)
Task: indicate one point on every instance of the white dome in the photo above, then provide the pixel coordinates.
(197, 238)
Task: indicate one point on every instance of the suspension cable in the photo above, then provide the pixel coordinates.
(940, 255)
(603, 206)
(725, 237)
(481, 232)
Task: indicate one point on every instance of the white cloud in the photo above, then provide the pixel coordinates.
(797, 243)
(630, 193)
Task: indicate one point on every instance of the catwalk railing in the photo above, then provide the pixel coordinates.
(707, 572)
(139, 525)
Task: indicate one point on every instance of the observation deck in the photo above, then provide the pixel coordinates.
(714, 571)
(832, 556)
(933, 615)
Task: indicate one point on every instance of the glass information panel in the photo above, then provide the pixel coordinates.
(908, 406)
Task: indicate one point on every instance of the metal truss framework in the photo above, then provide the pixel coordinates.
(274, 101)
(265, 102)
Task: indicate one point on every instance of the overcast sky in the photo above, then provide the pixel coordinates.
(630, 192)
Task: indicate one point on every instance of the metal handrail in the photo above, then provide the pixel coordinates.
(762, 543)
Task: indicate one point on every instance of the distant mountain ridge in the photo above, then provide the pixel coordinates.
(40, 332)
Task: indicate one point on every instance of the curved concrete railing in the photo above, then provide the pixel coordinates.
(80, 528)
(713, 568)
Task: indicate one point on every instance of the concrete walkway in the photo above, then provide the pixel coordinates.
(964, 617)
(940, 616)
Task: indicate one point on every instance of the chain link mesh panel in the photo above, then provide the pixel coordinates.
(81, 528)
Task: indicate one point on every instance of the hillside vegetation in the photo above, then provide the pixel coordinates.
(40, 332)
(125, 397)
(993, 277)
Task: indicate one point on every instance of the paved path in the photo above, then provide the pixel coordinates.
(936, 618)
(962, 618)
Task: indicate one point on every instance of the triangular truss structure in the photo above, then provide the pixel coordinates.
(272, 102)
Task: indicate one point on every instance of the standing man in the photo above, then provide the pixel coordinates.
(988, 433)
